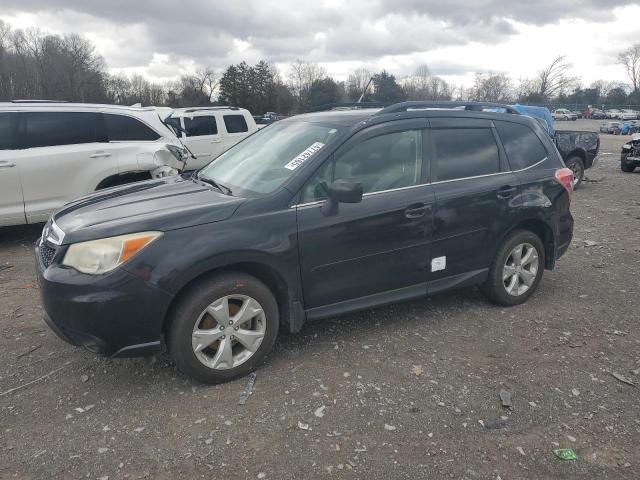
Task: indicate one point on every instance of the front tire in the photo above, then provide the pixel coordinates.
(627, 167)
(516, 270)
(577, 167)
(223, 328)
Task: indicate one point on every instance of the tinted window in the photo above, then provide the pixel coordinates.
(123, 128)
(464, 152)
(523, 147)
(6, 131)
(47, 129)
(381, 163)
(174, 123)
(235, 124)
(198, 126)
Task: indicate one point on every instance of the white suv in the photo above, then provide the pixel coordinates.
(209, 131)
(51, 153)
(564, 114)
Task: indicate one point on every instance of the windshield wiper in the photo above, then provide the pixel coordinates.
(223, 188)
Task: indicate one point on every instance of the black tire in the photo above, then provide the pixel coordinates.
(186, 313)
(627, 167)
(577, 167)
(494, 287)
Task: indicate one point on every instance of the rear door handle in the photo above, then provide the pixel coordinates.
(5, 164)
(506, 192)
(99, 154)
(216, 140)
(416, 210)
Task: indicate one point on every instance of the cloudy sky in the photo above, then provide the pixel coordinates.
(456, 38)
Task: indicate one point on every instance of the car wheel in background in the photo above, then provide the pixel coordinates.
(516, 270)
(626, 167)
(223, 328)
(577, 167)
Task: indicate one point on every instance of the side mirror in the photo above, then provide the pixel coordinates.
(340, 191)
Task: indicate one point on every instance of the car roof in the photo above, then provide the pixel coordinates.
(44, 105)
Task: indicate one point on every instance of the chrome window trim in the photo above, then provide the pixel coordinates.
(317, 202)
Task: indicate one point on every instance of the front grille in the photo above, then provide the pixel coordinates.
(46, 254)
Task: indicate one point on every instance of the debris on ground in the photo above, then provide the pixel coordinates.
(622, 379)
(31, 350)
(565, 454)
(84, 378)
(320, 411)
(521, 451)
(248, 388)
(590, 243)
(388, 427)
(5, 267)
(496, 424)
(303, 426)
(417, 370)
(505, 398)
(24, 385)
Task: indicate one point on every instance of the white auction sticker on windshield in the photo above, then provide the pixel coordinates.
(304, 156)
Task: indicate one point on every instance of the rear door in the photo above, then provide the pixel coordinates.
(236, 127)
(476, 199)
(379, 247)
(59, 155)
(203, 139)
(11, 202)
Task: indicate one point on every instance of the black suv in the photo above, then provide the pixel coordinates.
(313, 216)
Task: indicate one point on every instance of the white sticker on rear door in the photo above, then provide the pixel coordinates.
(438, 263)
(304, 156)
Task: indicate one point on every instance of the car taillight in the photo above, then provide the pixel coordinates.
(565, 177)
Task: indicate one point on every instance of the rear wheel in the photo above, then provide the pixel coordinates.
(223, 328)
(577, 167)
(626, 167)
(516, 270)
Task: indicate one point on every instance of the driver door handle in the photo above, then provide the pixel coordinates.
(99, 154)
(415, 210)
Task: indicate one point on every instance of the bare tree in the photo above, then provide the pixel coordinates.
(630, 60)
(423, 85)
(359, 84)
(208, 80)
(555, 79)
(491, 87)
(302, 74)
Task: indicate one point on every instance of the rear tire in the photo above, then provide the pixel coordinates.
(206, 327)
(577, 167)
(627, 167)
(512, 281)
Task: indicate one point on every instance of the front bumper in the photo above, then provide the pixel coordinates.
(116, 314)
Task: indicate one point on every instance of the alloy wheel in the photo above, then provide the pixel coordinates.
(228, 332)
(520, 269)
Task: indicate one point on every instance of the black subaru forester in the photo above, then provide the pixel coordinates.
(314, 216)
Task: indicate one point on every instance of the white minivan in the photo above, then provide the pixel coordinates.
(53, 152)
(209, 131)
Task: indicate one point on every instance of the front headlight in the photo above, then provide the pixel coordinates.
(177, 152)
(101, 256)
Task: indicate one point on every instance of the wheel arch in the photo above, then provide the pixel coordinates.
(122, 178)
(543, 231)
(274, 280)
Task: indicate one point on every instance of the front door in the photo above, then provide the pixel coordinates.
(476, 199)
(377, 247)
(11, 201)
(203, 139)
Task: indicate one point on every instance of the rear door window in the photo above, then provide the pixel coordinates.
(235, 124)
(49, 129)
(199, 126)
(522, 145)
(122, 128)
(6, 130)
(464, 152)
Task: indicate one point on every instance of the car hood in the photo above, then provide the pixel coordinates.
(163, 204)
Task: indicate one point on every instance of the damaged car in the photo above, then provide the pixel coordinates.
(54, 152)
(630, 156)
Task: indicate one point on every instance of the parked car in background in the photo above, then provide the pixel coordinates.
(627, 115)
(612, 113)
(597, 115)
(579, 149)
(611, 127)
(51, 153)
(209, 131)
(630, 156)
(577, 113)
(630, 127)
(315, 216)
(563, 114)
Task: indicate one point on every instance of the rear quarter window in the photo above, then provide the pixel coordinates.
(235, 124)
(128, 129)
(522, 145)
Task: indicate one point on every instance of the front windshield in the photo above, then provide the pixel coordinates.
(266, 159)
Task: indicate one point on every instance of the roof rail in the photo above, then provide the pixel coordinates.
(39, 101)
(347, 105)
(416, 105)
(196, 109)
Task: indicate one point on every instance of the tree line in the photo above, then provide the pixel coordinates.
(37, 65)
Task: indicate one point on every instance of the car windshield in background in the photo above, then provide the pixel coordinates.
(266, 159)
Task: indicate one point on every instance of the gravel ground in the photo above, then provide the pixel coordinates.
(406, 391)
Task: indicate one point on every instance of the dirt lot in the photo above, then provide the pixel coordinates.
(407, 391)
